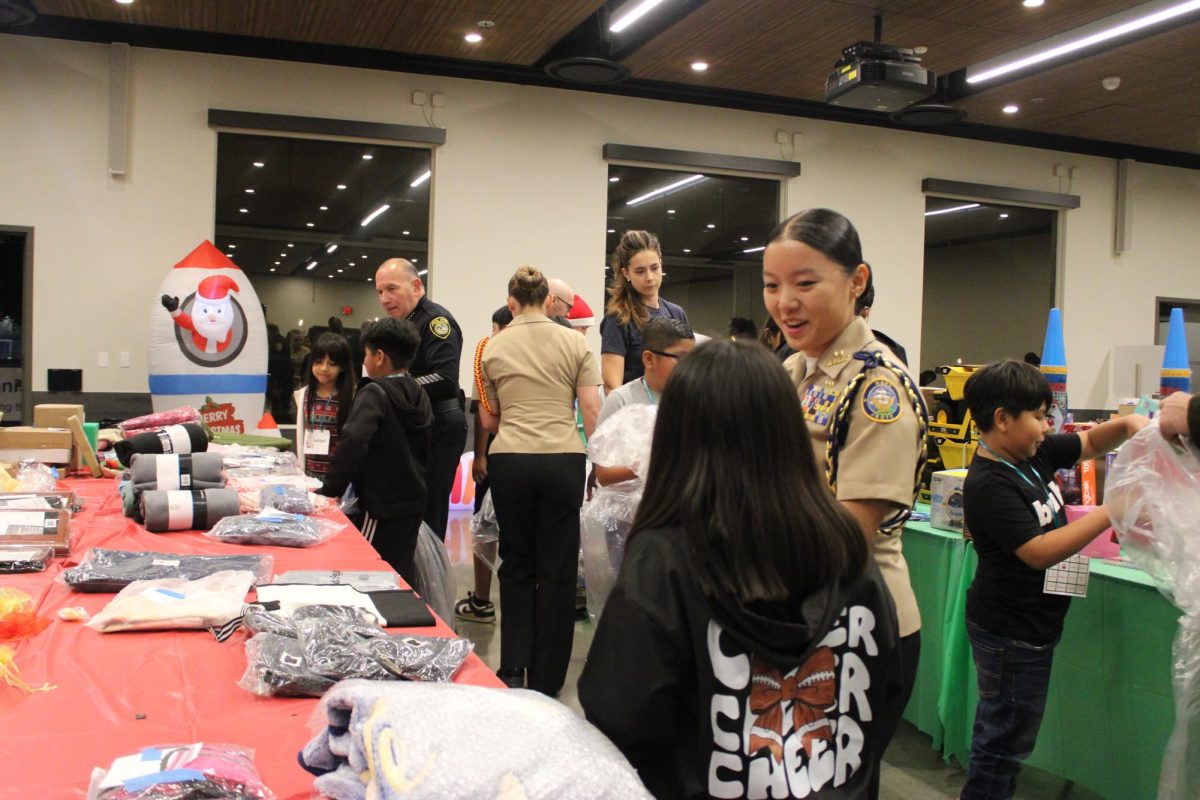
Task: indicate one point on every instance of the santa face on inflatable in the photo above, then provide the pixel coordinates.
(211, 320)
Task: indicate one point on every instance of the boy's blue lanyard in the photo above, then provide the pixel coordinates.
(1040, 486)
(649, 394)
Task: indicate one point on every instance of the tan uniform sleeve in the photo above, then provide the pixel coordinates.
(879, 458)
(489, 385)
(589, 372)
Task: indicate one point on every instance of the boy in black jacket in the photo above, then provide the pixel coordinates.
(384, 445)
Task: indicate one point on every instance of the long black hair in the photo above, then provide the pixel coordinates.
(335, 346)
(826, 231)
(733, 468)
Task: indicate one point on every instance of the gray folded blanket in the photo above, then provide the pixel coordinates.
(186, 510)
(167, 472)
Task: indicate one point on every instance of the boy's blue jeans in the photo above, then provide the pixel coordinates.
(1014, 677)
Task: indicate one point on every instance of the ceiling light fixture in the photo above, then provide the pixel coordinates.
(474, 37)
(745, 238)
(670, 211)
(414, 260)
(291, 245)
(1004, 216)
(614, 180)
(951, 210)
(423, 177)
(1033, 3)
(243, 211)
(1011, 108)
(324, 208)
(687, 249)
(710, 226)
(249, 191)
(341, 186)
(403, 232)
(309, 224)
(339, 270)
(367, 156)
(272, 269)
(423, 272)
(233, 247)
(755, 249)
(283, 255)
(612, 230)
(664, 189)
(1105, 30)
(699, 66)
(125, 2)
(277, 263)
(635, 11)
(368, 219)
(259, 164)
(331, 248)
(310, 265)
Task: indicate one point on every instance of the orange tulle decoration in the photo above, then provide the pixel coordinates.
(21, 625)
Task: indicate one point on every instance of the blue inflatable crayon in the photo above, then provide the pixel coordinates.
(1176, 371)
(1054, 367)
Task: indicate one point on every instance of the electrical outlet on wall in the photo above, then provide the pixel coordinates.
(438, 99)
(781, 137)
(419, 98)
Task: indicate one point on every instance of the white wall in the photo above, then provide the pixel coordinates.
(520, 180)
(289, 300)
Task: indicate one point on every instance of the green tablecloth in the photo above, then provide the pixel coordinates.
(1110, 708)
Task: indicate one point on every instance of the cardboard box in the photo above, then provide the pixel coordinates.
(40, 444)
(946, 500)
(55, 415)
(49, 528)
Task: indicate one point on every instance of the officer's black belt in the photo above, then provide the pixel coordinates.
(446, 406)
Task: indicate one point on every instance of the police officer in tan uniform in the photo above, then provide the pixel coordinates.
(813, 272)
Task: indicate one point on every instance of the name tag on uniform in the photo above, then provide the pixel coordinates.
(818, 404)
(317, 443)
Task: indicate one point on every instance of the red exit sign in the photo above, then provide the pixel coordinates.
(347, 311)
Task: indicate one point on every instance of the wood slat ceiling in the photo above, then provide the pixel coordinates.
(783, 48)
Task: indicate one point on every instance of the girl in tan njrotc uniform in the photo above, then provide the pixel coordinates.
(813, 271)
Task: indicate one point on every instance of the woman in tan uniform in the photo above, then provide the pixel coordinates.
(531, 375)
(813, 271)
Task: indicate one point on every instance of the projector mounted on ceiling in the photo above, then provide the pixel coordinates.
(878, 77)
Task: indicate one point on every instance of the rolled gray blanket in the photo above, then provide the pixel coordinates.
(187, 471)
(186, 510)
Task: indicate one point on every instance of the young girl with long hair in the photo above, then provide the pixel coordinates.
(323, 403)
(747, 645)
(633, 301)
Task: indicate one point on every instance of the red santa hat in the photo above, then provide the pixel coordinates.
(216, 288)
(580, 315)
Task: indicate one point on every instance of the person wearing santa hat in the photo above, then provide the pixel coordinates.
(580, 315)
(211, 320)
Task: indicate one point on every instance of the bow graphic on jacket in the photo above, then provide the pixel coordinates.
(810, 689)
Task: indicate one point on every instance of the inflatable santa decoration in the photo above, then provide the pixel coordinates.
(208, 342)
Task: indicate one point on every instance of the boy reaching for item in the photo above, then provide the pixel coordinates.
(384, 445)
(1016, 515)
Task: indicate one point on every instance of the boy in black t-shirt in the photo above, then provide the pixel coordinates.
(1015, 513)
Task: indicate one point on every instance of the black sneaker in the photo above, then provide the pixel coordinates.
(471, 609)
(513, 678)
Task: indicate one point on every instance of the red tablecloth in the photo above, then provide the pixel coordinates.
(183, 684)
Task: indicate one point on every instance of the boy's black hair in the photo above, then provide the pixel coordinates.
(397, 338)
(663, 332)
(742, 328)
(334, 347)
(502, 317)
(1011, 385)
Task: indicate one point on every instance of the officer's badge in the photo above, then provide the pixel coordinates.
(439, 327)
(881, 401)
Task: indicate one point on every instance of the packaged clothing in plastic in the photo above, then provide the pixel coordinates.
(624, 439)
(160, 419)
(485, 533)
(104, 570)
(181, 772)
(1153, 496)
(176, 603)
(368, 580)
(281, 497)
(372, 738)
(33, 476)
(275, 528)
(183, 510)
(434, 578)
(176, 471)
(604, 525)
(247, 462)
(24, 558)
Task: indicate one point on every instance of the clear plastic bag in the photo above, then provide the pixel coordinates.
(1153, 496)
(623, 440)
(292, 499)
(275, 528)
(485, 533)
(36, 477)
(24, 558)
(434, 579)
(249, 462)
(604, 525)
(181, 772)
(176, 603)
(103, 570)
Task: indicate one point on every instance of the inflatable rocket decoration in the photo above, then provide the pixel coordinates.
(1176, 371)
(1054, 367)
(208, 342)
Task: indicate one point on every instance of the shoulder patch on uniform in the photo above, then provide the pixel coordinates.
(881, 401)
(439, 327)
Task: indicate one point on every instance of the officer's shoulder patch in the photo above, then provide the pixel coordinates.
(439, 327)
(881, 401)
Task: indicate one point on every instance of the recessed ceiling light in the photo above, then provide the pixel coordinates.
(229, 255)
(277, 263)
(243, 210)
(352, 263)
(1004, 216)
(1033, 3)
(283, 255)
(324, 208)
(339, 270)
(291, 245)
(404, 232)
(367, 156)
(687, 249)
(414, 260)
(421, 178)
(670, 211)
(699, 66)
(473, 37)
(612, 230)
(272, 269)
(745, 238)
(308, 224)
(331, 248)
(310, 265)
(755, 249)
(233, 247)
(369, 217)
(341, 186)
(328, 276)
(125, 2)
(259, 164)
(249, 191)
(614, 180)
(1011, 108)
(710, 226)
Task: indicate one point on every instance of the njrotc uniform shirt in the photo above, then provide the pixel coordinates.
(878, 460)
(435, 365)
